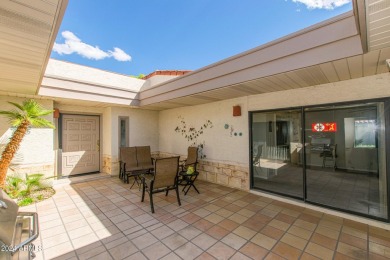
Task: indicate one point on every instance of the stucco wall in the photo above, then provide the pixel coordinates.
(225, 143)
(227, 157)
(371, 87)
(143, 131)
(35, 154)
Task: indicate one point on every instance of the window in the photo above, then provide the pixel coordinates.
(365, 132)
(123, 131)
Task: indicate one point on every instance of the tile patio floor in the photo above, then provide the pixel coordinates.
(103, 219)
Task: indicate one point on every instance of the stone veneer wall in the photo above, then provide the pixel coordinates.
(229, 175)
(22, 170)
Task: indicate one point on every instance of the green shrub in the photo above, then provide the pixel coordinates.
(26, 201)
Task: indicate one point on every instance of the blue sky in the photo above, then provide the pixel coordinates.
(132, 37)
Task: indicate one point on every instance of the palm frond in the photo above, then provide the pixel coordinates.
(16, 105)
(41, 122)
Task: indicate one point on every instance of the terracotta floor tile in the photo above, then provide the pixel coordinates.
(188, 251)
(285, 218)
(353, 241)
(203, 225)
(214, 218)
(310, 218)
(300, 232)
(238, 218)
(294, 241)
(174, 241)
(306, 256)
(254, 251)
(279, 224)
(380, 240)
(262, 218)
(272, 232)
(253, 224)
(319, 251)
(190, 218)
(205, 256)
(351, 251)
(228, 224)
(138, 256)
(330, 225)
(355, 232)
(263, 241)
(204, 241)
(331, 233)
(144, 240)
(304, 224)
(380, 232)
(232, 207)
(224, 213)
(324, 241)
(221, 251)
(234, 241)
(373, 256)
(156, 251)
(244, 232)
(162, 232)
(272, 256)
(379, 249)
(355, 225)
(286, 251)
(239, 256)
(217, 232)
(340, 256)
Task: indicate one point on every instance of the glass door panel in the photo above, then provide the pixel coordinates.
(345, 158)
(277, 152)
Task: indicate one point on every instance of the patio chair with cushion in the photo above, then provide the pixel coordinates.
(188, 173)
(144, 158)
(129, 166)
(163, 179)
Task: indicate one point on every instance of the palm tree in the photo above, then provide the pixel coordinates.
(29, 113)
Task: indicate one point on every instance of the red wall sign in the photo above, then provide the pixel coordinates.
(324, 127)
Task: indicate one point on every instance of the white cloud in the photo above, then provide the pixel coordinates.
(120, 55)
(322, 4)
(73, 44)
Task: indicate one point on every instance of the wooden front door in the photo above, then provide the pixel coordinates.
(80, 144)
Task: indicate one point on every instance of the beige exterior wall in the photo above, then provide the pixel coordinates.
(36, 153)
(227, 160)
(143, 131)
(371, 87)
(227, 152)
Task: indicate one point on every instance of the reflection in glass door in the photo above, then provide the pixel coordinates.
(277, 152)
(345, 158)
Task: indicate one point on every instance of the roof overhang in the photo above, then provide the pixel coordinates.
(299, 59)
(349, 46)
(72, 81)
(28, 30)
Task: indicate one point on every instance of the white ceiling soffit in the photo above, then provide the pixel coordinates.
(27, 33)
(367, 64)
(378, 24)
(331, 40)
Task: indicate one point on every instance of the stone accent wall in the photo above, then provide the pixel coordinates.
(109, 166)
(229, 175)
(224, 174)
(22, 170)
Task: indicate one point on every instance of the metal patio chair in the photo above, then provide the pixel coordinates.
(163, 179)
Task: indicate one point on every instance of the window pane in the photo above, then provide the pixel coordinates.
(277, 149)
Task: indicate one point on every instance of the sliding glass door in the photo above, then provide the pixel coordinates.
(277, 152)
(338, 160)
(345, 158)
